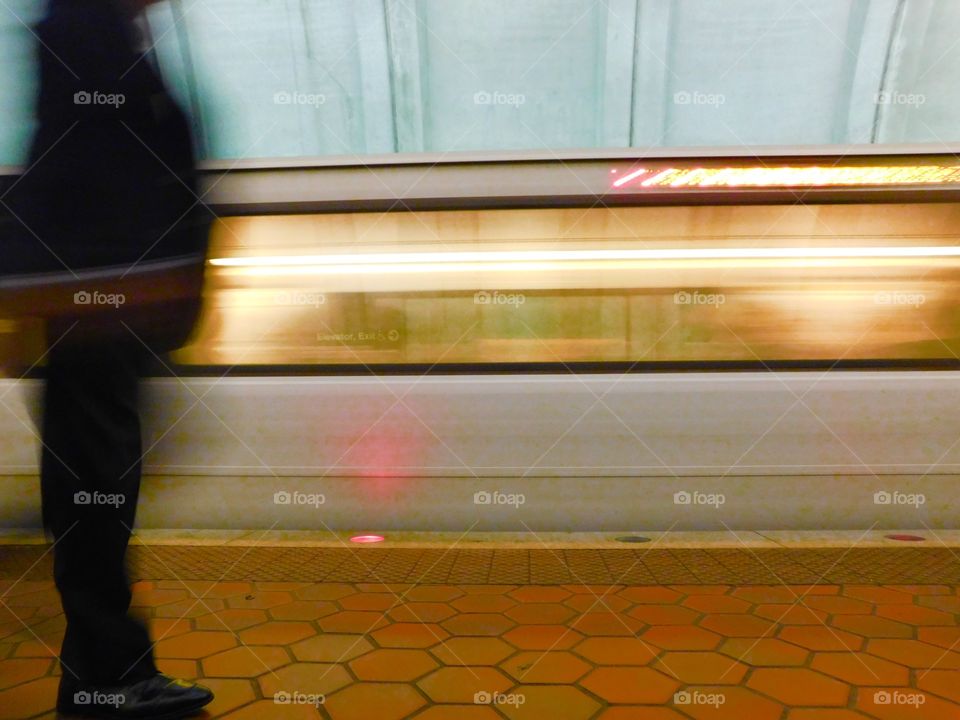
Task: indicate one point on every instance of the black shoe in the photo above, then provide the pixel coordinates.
(156, 698)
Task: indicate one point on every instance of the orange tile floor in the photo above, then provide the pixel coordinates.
(557, 652)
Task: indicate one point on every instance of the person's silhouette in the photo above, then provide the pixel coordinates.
(109, 182)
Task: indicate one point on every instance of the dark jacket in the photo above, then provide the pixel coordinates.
(110, 178)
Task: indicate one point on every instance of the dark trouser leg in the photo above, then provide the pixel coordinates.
(90, 480)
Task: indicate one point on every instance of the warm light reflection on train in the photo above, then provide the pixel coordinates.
(669, 284)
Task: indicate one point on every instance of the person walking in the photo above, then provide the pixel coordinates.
(109, 182)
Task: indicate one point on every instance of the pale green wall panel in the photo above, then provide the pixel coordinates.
(351, 78)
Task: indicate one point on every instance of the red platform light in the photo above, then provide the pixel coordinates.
(367, 538)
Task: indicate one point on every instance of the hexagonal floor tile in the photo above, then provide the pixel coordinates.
(800, 687)
(423, 612)
(483, 603)
(764, 652)
(462, 684)
(654, 594)
(664, 614)
(821, 638)
(637, 685)
(28, 699)
(244, 662)
(482, 624)
(531, 613)
(458, 712)
(914, 654)
(872, 626)
(734, 625)
(303, 610)
(915, 615)
(194, 645)
(410, 635)
(324, 591)
(228, 695)
(352, 621)
(230, 619)
(393, 665)
(270, 710)
(364, 701)
(716, 604)
(557, 702)
(681, 637)
(558, 667)
(259, 600)
(606, 623)
(791, 614)
(542, 637)
(433, 593)
(860, 669)
(700, 668)
(305, 678)
(277, 633)
(617, 651)
(331, 648)
(738, 703)
(369, 601)
(540, 594)
(472, 651)
(20, 670)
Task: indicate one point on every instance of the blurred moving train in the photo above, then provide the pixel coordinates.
(606, 337)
